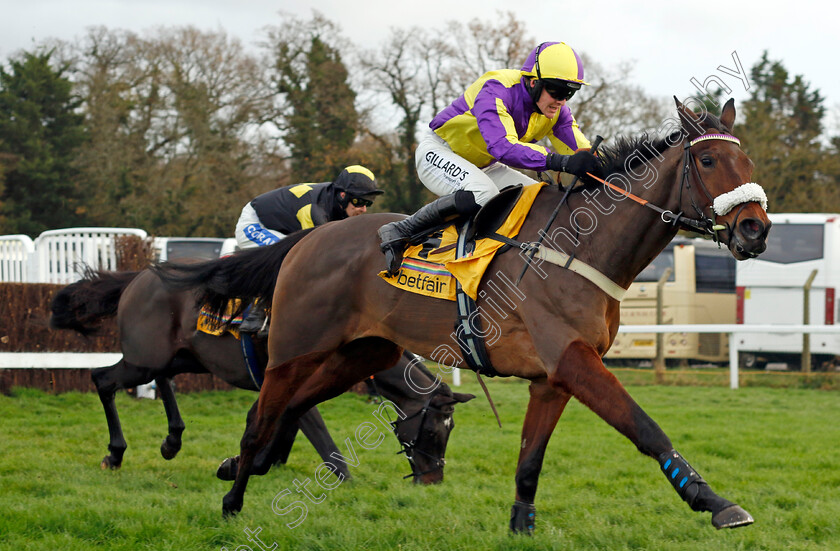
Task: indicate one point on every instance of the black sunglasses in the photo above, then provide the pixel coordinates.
(560, 94)
(359, 202)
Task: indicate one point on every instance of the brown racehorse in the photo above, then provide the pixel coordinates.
(552, 329)
(159, 339)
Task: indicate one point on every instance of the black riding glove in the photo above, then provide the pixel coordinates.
(578, 164)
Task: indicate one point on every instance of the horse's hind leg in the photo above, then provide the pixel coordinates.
(279, 385)
(544, 410)
(277, 451)
(172, 443)
(582, 373)
(108, 380)
(293, 385)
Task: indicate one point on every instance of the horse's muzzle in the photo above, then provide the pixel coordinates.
(749, 239)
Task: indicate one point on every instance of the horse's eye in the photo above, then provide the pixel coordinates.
(707, 162)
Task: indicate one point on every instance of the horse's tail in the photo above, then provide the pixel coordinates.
(81, 306)
(249, 275)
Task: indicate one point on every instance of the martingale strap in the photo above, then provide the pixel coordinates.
(538, 250)
(250, 354)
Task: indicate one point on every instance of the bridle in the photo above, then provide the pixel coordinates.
(410, 448)
(703, 224)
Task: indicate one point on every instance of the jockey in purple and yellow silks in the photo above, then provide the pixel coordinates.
(474, 146)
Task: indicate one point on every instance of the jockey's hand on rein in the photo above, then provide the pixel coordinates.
(578, 164)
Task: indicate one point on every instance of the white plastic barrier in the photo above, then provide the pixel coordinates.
(16, 258)
(61, 253)
(56, 360)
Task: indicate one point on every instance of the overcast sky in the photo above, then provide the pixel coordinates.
(670, 42)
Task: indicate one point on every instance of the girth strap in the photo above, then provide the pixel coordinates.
(468, 327)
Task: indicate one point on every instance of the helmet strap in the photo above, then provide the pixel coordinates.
(535, 91)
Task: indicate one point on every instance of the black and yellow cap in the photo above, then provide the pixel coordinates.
(357, 181)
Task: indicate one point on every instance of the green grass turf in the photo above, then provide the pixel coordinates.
(774, 451)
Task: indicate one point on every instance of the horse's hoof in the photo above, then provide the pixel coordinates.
(227, 469)
(110, 463)
(230, 506)
(169, 450)
(522, 518)
(731, 517)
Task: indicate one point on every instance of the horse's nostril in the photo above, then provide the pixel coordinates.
(751, 228)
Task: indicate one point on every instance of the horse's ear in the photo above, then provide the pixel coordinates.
(689, 119)
(462, 397)
(727, 116)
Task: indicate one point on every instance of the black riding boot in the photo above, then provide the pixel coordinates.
(395, 234)
(254, 321)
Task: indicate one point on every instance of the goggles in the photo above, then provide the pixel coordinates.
(359, 202)
(559, 93)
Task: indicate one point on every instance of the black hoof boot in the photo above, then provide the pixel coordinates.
(698, 494)
(522, 517)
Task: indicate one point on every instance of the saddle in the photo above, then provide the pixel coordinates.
(218, 326)
(433, 267)
(451, 262)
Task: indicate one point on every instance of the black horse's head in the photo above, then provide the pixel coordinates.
(424, 434)
(424, 416)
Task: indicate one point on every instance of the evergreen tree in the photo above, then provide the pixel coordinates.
(321, 122)
(781, 134)
(40, 131)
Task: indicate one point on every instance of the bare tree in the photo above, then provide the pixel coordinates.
(174, 118)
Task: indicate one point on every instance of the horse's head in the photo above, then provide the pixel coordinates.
(424, 434)
(718, 175)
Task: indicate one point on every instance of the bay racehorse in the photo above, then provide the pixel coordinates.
(552, 328)
(159, 339)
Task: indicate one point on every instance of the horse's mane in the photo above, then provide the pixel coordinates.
(628, 152)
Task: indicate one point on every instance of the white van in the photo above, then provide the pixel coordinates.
(770, 289)
(206, 248)
(700, 290)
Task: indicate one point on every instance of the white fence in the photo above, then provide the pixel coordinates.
(733, 331)
(57, 255)
(48, 360)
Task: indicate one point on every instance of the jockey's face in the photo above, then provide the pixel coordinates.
(547, 104)
(356, 205)
(355, 211)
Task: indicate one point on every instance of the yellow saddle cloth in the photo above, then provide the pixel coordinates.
(216, 325)
(435, 273)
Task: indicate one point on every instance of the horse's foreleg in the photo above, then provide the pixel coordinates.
(106, 386)
(544, 410)
(277, 451)
(313, 427)
(581, 373)
(172, 443)
(108, 380)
